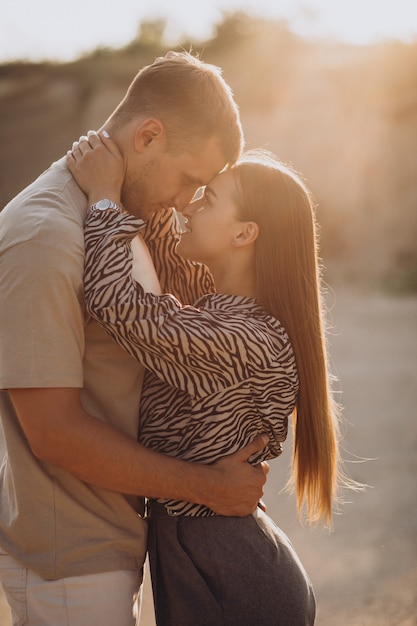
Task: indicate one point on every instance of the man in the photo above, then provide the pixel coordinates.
(72, 540)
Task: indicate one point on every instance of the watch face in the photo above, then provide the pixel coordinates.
(102, 205)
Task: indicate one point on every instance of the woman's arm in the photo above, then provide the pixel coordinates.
(140, 325)
(186, 280)
(188, 348)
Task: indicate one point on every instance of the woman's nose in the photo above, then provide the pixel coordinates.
(184, 198)
(191, 208)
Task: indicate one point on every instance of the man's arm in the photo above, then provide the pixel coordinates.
(60, 432)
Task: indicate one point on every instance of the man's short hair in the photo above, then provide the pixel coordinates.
(191, 98)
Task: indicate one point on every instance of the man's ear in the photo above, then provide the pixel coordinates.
(147, 132)
(247, 234)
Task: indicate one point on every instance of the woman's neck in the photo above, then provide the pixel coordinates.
(235, 282)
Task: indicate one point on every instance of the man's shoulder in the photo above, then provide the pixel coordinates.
(42, 207)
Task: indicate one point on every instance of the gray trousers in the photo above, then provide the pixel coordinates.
(226, 571)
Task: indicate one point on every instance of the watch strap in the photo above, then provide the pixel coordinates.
(105, 204)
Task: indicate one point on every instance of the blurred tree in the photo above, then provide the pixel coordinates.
(344, 116)
(151, 33)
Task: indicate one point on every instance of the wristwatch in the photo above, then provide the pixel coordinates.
(103, 205)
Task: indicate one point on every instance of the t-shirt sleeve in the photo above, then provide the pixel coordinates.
(42, 313)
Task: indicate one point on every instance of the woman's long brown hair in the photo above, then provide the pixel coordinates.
(288, 283)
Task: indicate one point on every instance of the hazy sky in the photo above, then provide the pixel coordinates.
(52, 29)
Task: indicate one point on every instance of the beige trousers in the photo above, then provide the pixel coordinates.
(107, 599)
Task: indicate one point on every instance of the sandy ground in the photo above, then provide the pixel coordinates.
(365, 571)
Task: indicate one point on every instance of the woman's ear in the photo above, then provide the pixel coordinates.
(149, 131)
(247, 234)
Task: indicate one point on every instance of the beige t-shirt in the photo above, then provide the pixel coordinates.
(49, 520)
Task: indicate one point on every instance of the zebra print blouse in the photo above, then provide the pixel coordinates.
(219, 372)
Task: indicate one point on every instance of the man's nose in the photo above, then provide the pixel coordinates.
(186, 211)
(183, 199)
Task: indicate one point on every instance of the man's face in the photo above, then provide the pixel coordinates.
(160, 179)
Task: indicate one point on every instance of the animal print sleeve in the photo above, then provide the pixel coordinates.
(186, 280)
(191, 349)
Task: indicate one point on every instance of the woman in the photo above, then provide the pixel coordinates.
(241, 361)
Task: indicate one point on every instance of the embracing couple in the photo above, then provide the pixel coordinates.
(150, 364)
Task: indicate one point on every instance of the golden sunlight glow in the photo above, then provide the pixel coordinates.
(39, 30)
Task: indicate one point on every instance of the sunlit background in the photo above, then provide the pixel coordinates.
(56, 30)
(330, 87)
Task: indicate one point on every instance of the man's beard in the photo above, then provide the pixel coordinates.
(135, 197)
(132, 200)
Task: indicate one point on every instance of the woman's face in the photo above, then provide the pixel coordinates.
(211, 224)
